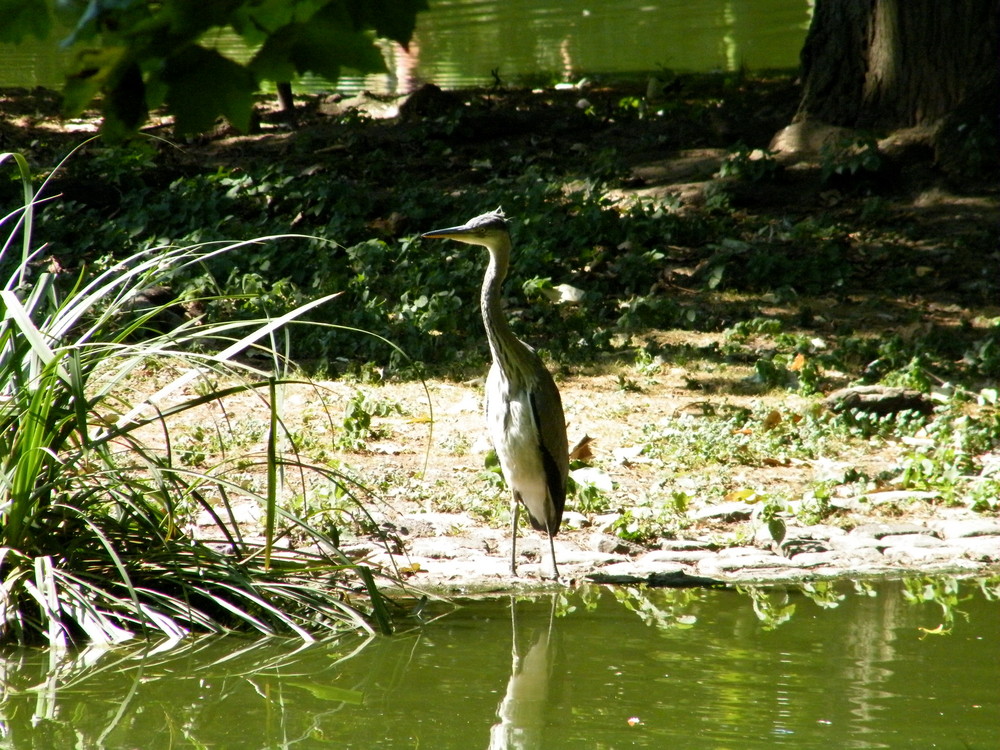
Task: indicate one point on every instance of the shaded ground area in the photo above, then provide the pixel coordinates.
(942, 224)
(923, 263)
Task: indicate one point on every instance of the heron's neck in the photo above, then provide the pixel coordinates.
(506, 348)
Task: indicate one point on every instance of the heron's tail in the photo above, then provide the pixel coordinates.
(550, 525)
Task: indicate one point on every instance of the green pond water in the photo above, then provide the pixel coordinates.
(893, 664)
(459, 42)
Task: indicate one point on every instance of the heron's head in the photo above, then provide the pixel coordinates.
(489, 230)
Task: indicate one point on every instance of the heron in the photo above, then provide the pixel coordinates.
(524, 412)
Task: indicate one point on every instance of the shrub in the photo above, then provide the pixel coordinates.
(92, 512)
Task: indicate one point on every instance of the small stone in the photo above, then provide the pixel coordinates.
(851, 504)
(611, 545)
(826, 470)
(573, 520)
(606, 522)
(797, 547)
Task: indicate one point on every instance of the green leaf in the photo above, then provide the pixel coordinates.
(90, 72)
(331, 693)
(109, 70)
(331, 28)
(391, 19)
(125, 106)
(322, 45)
(776, 528)
(380, 611)
(188, 19)
(24, 17)
(256, 21)
(273, 60)
(202, 85)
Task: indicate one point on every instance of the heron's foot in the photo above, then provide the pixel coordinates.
(544, 575)
(553, 575)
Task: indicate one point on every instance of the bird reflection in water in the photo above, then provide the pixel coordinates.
(521, 715)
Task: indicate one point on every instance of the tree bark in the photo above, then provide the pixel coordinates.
(889, 64)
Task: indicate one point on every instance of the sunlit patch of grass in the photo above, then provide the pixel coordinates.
(698, 459)
(740, 435)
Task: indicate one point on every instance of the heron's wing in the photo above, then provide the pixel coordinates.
(547, 411)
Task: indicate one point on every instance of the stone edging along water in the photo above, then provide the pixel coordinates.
(808, 553)
(449, 553)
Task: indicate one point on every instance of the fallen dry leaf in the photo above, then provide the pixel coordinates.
(582, 450)
(772, 420)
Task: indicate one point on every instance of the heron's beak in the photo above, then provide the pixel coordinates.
(451, 233)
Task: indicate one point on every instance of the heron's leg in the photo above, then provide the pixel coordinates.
(515, 509)
(552, 550)
(515, 657)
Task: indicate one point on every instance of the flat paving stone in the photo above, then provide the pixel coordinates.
(433, 524)
(639, 570)
(961, 528)
(917, 553)
(595, 558)
(687, 544)
(982, 548)
(733, 552)
(438, 548)
(879, 530)
(459, 559)
(862, 555)
(744, 562)
(815, 559)
(910, 540)
(852, 542)
(687, 557)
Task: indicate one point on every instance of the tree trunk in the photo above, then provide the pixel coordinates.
(889, 64)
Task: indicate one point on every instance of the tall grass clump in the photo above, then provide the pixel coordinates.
(94, 503)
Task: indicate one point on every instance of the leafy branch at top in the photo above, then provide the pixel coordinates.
(135, 55)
